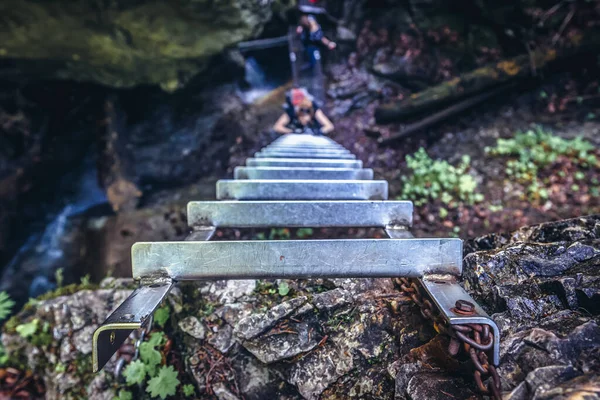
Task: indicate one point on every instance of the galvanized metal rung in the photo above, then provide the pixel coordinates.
(303, 162)
(300, 259)
(301, 190)
(303, 150)
(302, 173)
(278, 154)
(292, 214)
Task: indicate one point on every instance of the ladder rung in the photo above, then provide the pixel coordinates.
(298, 258)
(301, 190)
(304, 150)
(302, 173)
(303, 162)
(316, 147)
(280, 154)
(293, 214)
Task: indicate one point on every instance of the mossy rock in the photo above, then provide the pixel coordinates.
(125, 43)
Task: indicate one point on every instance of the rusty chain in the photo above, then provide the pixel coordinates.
(476, 339)
(129, 352)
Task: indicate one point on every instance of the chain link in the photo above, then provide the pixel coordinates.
(476, 339)
(129, 352)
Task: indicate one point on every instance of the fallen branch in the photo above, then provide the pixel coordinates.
(433, 119)
(479, 80)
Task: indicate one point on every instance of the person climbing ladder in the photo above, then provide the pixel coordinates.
(302, 115)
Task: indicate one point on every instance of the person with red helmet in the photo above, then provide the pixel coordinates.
(302, 115)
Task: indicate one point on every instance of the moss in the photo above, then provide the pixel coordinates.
(123, 44)
(67, 290)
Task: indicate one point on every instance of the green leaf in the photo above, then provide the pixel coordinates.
(124, 395)
(189, 390)
(28, 329)
(149, 355)
(3, 355)
(284, 289)
(157, 339)
(164, 384)
(304, 232)
(443, 213)
(6, 305)
(161, 315)
(135, 373)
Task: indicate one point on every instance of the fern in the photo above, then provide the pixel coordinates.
(6, 305)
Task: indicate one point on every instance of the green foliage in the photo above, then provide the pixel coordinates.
(3, 356)
(85, 280)
(150, 356)
(124, 395)
(279, 234)
(28, 329)
(283, 288)
(59, 277)
(6, 305)
(161, 315)
(164, 384)
(157, 339)
(529, 152)
(189, 390)
(437, 179)
(304, 233)
(135, 373)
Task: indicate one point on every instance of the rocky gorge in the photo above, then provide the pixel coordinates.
(115, 114)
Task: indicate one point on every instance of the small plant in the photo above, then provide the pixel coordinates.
(28, 329)
(164, 384)
(530, 152)
(437, 179)
(6, 305)
(161, 315)
(189, 390)
(283, 288)
(161, 380)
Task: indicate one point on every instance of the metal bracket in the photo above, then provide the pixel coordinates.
(134, 313)
(445, 291)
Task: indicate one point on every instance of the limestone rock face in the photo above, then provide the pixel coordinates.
(125, 43)
(361, 338)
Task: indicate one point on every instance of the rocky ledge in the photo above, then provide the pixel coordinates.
(348, 338)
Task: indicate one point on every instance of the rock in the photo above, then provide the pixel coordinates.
(193, 327)
(253, 325)
(295, 339)
(438, 386)
(223, 340)
(123, 44)
(331, 299)
(223, 393)
(315, 372)
(65, 328)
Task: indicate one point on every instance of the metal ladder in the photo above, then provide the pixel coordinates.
(297, 181)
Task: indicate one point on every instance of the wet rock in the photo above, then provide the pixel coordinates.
(223, 393)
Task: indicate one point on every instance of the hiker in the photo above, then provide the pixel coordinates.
(302, 115)
(312, 37)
